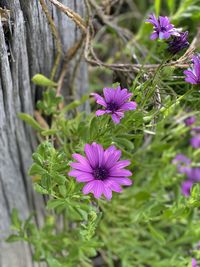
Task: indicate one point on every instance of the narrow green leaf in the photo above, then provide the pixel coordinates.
(38, 188)
(49, 132)
(54, 203)
(13, 238)
(157, 7)
(30, 120)
(36, 169)
(157, 235)
(16, 222)
(171, 6)
(40, 79)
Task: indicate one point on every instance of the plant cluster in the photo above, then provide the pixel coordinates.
(114, 195)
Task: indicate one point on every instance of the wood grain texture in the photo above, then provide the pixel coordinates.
(27, 49)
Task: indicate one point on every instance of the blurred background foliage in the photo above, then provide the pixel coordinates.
(150, 224)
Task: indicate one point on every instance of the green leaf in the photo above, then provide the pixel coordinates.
(49, 132)
(38, 188)
(36, 170)
(40, 79)
(63, 190)
(54, 203)
(171, 6)
(157, 7)
(30, 120)
(157, 235)
(125, 143)
(13, 238)
(54, 263)
(60, 179)
(16, 222)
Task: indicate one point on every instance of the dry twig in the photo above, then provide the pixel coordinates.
(71, 14)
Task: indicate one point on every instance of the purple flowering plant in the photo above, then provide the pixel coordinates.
(190, 120)
(162, 27)
(194, 263)
(193, 73)
(112, 166)
(101, 170)
(115, 102)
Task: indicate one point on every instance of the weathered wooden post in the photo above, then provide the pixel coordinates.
(27, 47)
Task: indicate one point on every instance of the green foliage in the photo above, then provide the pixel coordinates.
(50, 102)
(30, 121)
(150, 223)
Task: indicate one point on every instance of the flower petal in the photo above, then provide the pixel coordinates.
(99, 99)
(75, 173)
(100, 112)
(119, 172)
(81, 159)
(116, 119)
(121, 164)
(153, 20)
(81, 167)
(109, 94)
(98, 188)
(129, 106)
(107, 193)
(88, 187)
(154, 36)
(91, 155)
(186, 187)
(84, 177)
(114, 186)
(111, 158)
(100, 153)
(190, 80)
(122, 181)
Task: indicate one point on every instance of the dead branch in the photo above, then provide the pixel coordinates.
(71, 14)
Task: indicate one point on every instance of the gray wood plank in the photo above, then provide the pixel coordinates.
(33, 51)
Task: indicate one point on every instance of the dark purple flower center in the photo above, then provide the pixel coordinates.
(112, 106)
(100, 173)
(163, 29)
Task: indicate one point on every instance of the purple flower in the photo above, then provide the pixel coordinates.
(194, 174)
(190, 120)
(183, 163)
(186, 187)
(194, 263)
(195, 141)
(163, 29)
(115, 102)
(196, 129)
(178, 43)
(193, 74)
(101, 170)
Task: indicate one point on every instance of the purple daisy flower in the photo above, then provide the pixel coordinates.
(183, 163)
(193, 74)
(196, 129)
(194, 263)
(190, 120)
(115, 102)
(195, 141)
(101, 170)
(178, 43)
(186, 187)
(163, 29)
(194, 174)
